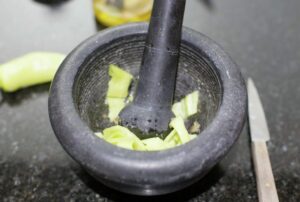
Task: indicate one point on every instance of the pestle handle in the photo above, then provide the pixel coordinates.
(151, 107)
(160, 60)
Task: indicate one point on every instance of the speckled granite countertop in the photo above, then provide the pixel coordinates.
(263, 37)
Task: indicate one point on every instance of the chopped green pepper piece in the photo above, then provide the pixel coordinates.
(115, 105)
(154, 144)
(178, 124)
(192, 136)
(127, 143)
(117, 91)
(187, 106)
(123, 137)
(30, 69)
(119, 82)
(99, 134)
(172, 139)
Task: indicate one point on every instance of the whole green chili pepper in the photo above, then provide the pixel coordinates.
(30, 69)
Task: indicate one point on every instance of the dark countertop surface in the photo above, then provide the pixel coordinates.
(263, 37)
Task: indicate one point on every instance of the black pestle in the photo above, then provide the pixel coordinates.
(151, 108)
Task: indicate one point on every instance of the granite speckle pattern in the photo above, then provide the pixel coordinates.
(263, 37)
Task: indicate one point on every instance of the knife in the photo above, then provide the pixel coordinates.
(266, 188)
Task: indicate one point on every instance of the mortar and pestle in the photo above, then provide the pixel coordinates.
(152, 54)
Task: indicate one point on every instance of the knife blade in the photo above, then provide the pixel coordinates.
(258, 123)
(259, 132)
